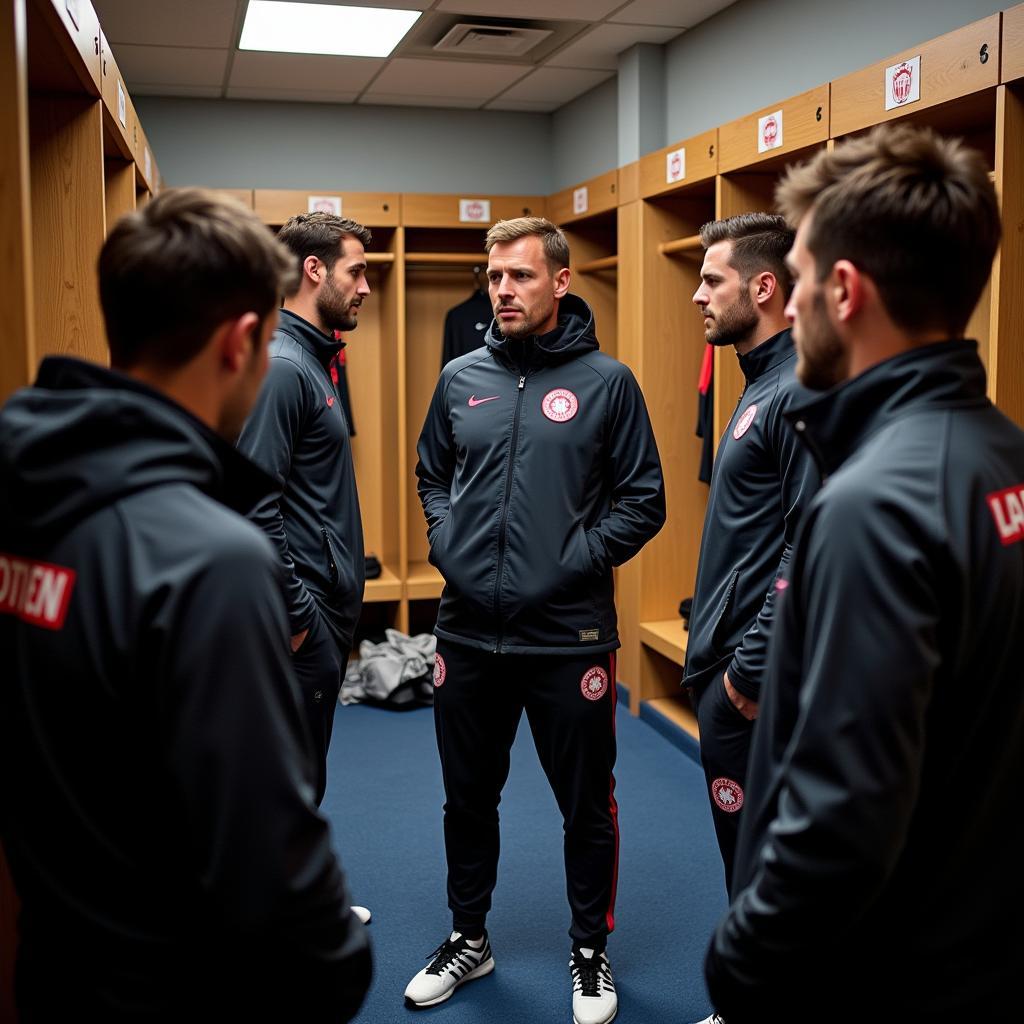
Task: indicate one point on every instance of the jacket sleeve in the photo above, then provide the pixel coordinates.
(268, 438)
(799, 480)
(638, 489)
(848, 777)
(436, 454)
(238, 760)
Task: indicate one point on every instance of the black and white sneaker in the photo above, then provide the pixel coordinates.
(715, 1018)
(453, 962)
(593, 991)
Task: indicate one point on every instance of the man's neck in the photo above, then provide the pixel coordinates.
(764, 331)
(305, 307)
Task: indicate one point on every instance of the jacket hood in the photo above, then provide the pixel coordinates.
(573, 337)
(944, 374)
(84, 436)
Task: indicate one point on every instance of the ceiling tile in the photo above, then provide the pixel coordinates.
(158, 23)
(601, 46)
(556, 85)
(563, 10)
(170, 65)
(409, 76)
(419, 100)
(680, 13)
(308, 72)
(270, 92)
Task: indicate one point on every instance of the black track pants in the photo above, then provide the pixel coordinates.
(724, 751)
(570, 705)
(320, 667)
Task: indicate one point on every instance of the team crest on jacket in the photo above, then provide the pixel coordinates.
(728, 795)
(743, 424)
(440, 670)
(560, 405)
(594, 684)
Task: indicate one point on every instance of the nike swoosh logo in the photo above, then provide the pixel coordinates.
(474, 401)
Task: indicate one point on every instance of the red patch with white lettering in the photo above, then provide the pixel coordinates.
(727, 794)
(744, 422)
(1007, 508)
(440, 670)
(36, 592)
(560, 405)
(594, 684)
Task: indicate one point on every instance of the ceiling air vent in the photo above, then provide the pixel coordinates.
(490, 40)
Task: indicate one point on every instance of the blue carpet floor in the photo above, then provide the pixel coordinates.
(384, 801)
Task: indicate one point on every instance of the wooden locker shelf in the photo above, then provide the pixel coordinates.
(387, 587)
(423, 582)
(595, 266)
(952, 66)
(374, 209)
(601, 196)
(699, 162)
(667, 637)
(678, 711)
(689, 246)
(445, 259)
(442, 211)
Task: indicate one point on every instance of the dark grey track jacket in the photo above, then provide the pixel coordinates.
(878, 873)
(156, 795)
(298, 434)
(538, 472)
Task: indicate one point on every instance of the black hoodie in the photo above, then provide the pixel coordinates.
(156, 795)
(538, 472)
(878, 872)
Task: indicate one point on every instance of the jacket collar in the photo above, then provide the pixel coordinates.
(942, 375)
(768, 354)
(315, 342)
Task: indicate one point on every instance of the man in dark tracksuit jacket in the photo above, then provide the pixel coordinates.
(538, 473)
(878, 869)
(762, 480)
(298, 433)
(156, 772)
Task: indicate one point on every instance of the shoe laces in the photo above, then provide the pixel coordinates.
(452, 952)
(589, 975)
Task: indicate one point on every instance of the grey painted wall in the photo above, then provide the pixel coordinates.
(760, 51)
(585, 137)
(249, 144)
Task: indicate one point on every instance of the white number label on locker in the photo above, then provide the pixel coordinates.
(122, 106)
(675, 166)
(324, 204)
(903, 83)
(475, 211)
(580, 199)
(769, 132)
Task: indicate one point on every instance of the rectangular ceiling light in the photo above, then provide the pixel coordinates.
(324, 28)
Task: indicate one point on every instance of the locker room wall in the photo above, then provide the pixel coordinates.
(250, 144)
(759, 51)
(584, 137)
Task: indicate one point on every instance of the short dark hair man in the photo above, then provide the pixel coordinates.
(297, 432)
(878, 868)
(156, 772)
(538, 472)
(762, 480)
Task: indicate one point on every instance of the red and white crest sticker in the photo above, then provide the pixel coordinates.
(440, 670)
(560, 405)
(594, 684)
(727, 794)
(1007, 508)
(35, 592)
(744, 422)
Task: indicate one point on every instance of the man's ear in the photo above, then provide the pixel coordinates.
(764, 287)
(236, 339)
(562, 279)
(313, 270)
(846, 289)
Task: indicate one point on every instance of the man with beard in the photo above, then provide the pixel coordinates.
(156, 772)
(762, 480)
(297, 432)
(538, 473)
(878, 867)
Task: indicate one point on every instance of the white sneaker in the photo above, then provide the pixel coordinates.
(362, 913)
(453, 962)
(593, 992)
(715, 1018)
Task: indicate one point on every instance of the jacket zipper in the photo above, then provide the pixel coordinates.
(503, 524)
(332, 563)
